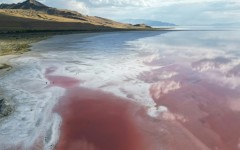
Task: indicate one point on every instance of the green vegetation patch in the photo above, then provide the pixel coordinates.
(12, 44)
(5, 107)
(5, 66)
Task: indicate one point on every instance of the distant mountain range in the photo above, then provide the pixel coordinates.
(32, 15)
(148, 22)
(229, 24)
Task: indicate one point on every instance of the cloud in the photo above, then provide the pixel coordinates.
(63, 4)
(68, 4)
(182, 12)
(152, 3)
(10, 1)
(121, 2)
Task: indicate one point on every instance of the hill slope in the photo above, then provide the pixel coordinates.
(32, 15)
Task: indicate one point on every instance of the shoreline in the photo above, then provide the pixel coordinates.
(19, 42)
(16, 44)
(12, 46)
(81, 31)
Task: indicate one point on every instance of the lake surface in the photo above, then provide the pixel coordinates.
(165, 90)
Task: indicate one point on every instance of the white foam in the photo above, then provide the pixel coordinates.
(164, 87)
(52, 132)
(156, 111)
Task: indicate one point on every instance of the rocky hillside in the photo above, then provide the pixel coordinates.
(33, 15)
(28, 4)
(37, 6)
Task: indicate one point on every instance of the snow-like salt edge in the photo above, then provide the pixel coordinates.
(33, 103)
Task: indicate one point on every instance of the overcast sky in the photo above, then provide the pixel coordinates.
(182, 12)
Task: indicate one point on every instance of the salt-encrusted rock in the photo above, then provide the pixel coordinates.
(5, 107)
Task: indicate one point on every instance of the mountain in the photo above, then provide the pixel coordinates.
(148, 22)
(32, 15)
(35, 5)
(28, 4)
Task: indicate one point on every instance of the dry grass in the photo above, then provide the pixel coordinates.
(13, 23)
(41, 20)
(18, 20)
(38, 15)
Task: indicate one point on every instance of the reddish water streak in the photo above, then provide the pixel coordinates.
(93, 120)
(61, 81)
(209, 118)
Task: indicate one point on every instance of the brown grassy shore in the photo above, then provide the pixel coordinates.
(18, 20)
(32, 25)
(20, 28)
(13, 44)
